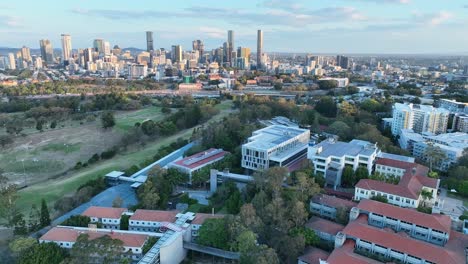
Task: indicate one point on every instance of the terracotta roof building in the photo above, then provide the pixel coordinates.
(67, 236)
(109, 217)
(150, 220)
(326, 205)
(407, 193)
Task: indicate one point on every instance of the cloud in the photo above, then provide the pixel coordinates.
(9, 21)
(433, 19)
(270, 16)
(404, 2)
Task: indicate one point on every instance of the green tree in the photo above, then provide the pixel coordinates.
(213, 234)
(434, 155)
(19, 224)
(342, 215)
(341, 129)
(5, 140)
(34, 219)
(8, 196)
(124, 220)
(311, 239)
(77, 220)
(107, 120)
(45, 216)
(426, 195)
(44, 253)
(100, 250)
(22, 244)
(379, 198)
(327, 107)
(361, 173)
(327, 84)
(347, 177)
(234, 203)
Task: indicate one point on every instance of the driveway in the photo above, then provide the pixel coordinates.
(451, 206)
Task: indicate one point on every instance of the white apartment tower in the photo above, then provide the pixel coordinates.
(420, 118)
(66, 47)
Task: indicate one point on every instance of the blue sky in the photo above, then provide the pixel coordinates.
(325, 26)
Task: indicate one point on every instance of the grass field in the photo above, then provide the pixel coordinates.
(126, 120)
(39, 156)
(53, 189)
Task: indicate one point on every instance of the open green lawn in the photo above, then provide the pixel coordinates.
(65, 148)
(125, 120)
(53, 189)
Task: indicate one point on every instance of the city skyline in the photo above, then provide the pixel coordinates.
(337, 26)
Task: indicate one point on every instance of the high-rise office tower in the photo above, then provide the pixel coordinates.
(66, 47)
(47, 52)
(259, 49)
(230, 46)
(88, 56)
(342, 61)
(98, 45)
(199, 46)
(149, 41)
(11, 61)
(106, 48)
(26, 54)
(176, 53)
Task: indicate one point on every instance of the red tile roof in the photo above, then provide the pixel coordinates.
(435, 221)
(104, 212)
(186, 162)
(401, 242)
(322, 225)
(314, 255)
(201, 218)
(411, 182)
(154, 216)
(345, 254)
(68, 234)
(332, 201)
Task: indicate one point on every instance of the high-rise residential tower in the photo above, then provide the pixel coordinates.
(47, 52)
(259, 49)
(66, 47)
(26, 54)
(419, 118)
(198, 45)
(149, 41)
(230, 46)
(11, 61)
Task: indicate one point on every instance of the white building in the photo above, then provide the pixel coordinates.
(66, 237)
(453, 144)
(108, 217)
(342, 82)
(196, 162)
(330, 158)
(460, 123)
(275, 146)
(407, 193)
(420, 118)
(453, 106)
(150, 220)
(137, 71)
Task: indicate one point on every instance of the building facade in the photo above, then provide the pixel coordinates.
(275, 146)
(330, 158)
(419, 118)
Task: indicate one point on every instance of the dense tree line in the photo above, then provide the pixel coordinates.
(269, 223)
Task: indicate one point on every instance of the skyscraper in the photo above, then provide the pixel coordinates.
(66, 47)
(26, 54)
(88, 56)
(230, 46)
(98, 45)
(149, 41)
(259, 49)
(11, 61)
(342, 61)
(199, 46)
(176, 53)
(47, 52)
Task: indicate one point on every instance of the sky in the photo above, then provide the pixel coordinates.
(321, 26)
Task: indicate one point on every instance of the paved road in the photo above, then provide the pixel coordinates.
(123, 190)
(451, 206)
(164, 161)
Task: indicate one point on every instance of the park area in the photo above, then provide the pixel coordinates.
(38, 156)
(49, 162)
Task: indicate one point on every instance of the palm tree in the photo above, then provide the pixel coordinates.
(426, 195)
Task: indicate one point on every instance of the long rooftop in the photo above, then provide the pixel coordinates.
(331, 147)
(272, 136)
